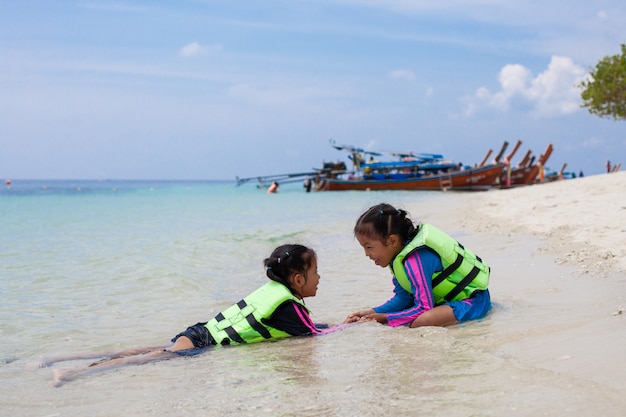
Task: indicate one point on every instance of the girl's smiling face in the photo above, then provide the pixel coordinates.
(311, 281)
(381, 252)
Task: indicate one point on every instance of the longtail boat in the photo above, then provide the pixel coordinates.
(560, 175)
(615, 168)
(527, 171)
(465, 179)
(329, 170)
(419, 172)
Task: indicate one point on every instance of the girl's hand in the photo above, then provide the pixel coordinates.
(379, 317)
(358, 315)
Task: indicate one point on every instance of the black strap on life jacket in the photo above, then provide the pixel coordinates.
(260, 329)
(449, 270)
(232, 333)
(461, 285)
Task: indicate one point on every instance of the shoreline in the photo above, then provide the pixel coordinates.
(553, 344)
(558, 257)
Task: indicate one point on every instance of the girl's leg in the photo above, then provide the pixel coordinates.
(454, 312)
(60, 376)
(110, 354)
(439, 316)
(137, 356)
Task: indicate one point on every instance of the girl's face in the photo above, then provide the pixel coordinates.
(381, 252)
(311, 281)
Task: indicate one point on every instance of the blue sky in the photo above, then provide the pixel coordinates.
(218, 89)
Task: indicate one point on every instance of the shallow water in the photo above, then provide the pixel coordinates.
(90, 266)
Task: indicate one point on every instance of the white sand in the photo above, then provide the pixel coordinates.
(558, 257)
(581, 221)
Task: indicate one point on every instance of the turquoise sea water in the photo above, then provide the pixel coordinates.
(93, 265)
(123, 240)
(90, 245)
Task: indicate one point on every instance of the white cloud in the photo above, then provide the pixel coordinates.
(551, 93)
(196, 49)
(402, 74)
(593, 143)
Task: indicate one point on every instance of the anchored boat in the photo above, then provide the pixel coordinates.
(414, 172)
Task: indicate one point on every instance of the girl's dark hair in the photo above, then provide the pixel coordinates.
(287, 260)
(383, 220)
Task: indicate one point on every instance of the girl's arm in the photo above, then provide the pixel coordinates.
(358, 315)
(401, 300)
(420, 266)
(294, 319)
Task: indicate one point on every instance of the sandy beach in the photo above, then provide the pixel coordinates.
(558, 256)
(582, 222)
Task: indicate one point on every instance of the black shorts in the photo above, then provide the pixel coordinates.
(199, 336)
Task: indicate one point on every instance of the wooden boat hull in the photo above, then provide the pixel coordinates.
(521, 176)
(473, 179)
(527, 173)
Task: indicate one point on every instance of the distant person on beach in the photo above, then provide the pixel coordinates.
(273, 188)
(437, 282)
(307, 184)
(275, 310)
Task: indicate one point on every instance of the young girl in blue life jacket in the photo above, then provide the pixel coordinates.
(275, 310)
(436, 280)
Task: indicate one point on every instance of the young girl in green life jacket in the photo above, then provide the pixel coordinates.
(437, 281)
(275, 310)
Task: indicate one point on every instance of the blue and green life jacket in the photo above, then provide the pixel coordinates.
(244, 321)
(463, 272)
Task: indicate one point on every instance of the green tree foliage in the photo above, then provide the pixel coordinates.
(604, 93)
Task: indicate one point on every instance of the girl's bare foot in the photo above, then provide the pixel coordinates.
(61, 376)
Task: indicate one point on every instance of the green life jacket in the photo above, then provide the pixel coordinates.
(244, 321)
(463, 272)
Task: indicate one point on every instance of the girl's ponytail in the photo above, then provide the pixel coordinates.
(288, 260)
(382, 220)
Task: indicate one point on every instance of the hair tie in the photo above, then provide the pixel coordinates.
(267, 268)
(286, 254)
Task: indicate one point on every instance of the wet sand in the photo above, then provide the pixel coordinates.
(558, 254)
